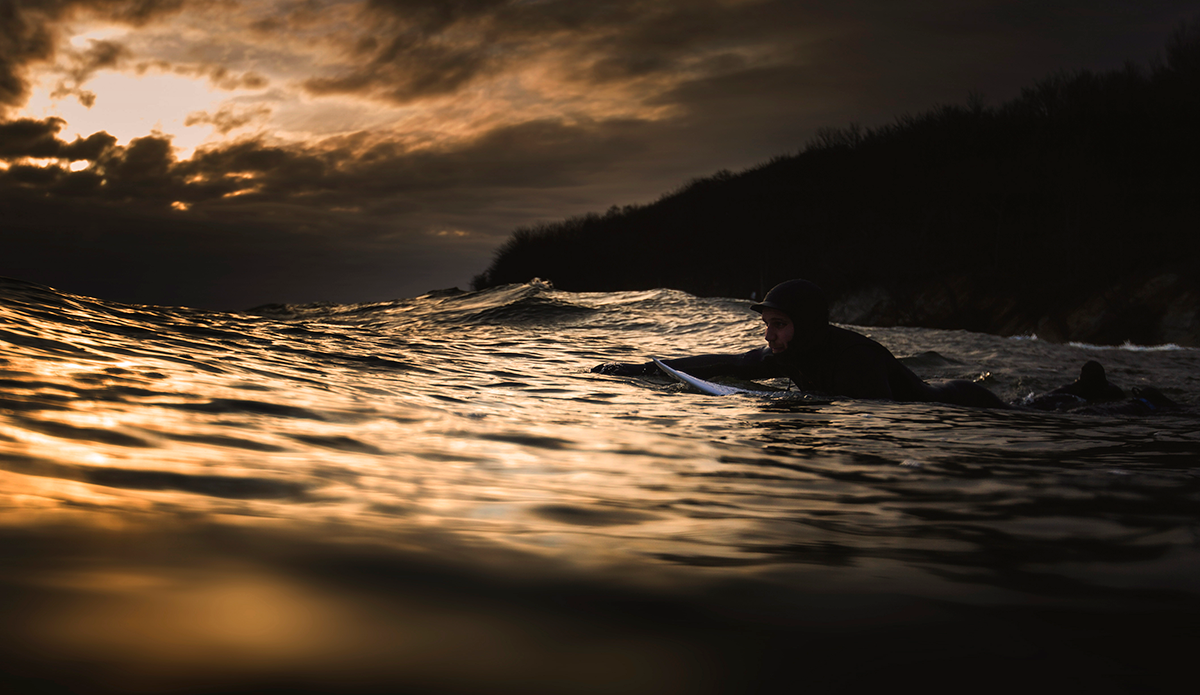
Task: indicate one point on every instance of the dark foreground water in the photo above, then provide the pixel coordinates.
(436, 495)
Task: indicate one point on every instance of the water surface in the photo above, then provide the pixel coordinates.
(437, 495)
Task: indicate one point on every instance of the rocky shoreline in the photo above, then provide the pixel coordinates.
(1146, 309)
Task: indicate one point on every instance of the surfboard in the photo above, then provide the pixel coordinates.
(707, 386)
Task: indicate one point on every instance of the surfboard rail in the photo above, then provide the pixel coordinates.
(708, 387)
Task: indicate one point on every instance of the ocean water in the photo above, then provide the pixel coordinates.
(437, 495)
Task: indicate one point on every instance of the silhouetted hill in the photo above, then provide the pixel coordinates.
(1070, 211)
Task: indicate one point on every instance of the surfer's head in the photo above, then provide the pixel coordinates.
(795, 307)
(1092, 374)
(780, 329)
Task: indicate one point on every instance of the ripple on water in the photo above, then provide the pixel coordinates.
(209, 485)
(238, 406)
(591, 516)
(532, 440)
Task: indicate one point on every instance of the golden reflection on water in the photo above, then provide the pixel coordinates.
(156, 608)
(233, 616)
(488, 472)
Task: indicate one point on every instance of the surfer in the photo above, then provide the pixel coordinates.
(819, 357)
(1091, 387)
(1093, 394)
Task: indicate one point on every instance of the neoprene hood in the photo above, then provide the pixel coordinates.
(803, 302)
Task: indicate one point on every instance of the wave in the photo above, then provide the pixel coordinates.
(533, 302)
(1130, 347)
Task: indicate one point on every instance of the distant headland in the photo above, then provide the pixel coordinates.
(1071, 212)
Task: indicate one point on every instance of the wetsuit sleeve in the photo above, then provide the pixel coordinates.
(626, 368)
(754, 364)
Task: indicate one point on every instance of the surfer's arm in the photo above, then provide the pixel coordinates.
(748, 365)
(626, 368)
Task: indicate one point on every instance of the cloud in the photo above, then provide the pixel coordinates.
(431, 17)
(30, 138)
(338, 173)
(227, 118)
(257, 208)
(407, 68)
(30, 32)
(217, 75)
(416, 48)
(406, 50)
(681, 39)
(25, 36)
(580, 56)
(39, 139)
(341, 172)
(100, 55)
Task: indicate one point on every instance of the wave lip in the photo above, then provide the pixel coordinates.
(1166, 347)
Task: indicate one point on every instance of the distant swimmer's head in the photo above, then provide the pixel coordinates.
(795, 306)
(1092, 373)
(1093, 384)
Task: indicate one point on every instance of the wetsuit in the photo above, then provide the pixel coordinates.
(824, 359)
(1091, 387)
(845, 364)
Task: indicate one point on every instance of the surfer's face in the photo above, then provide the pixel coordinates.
(780, 329)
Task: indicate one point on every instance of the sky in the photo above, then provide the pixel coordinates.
(225, 154)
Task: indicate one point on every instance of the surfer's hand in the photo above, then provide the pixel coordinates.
(624, 369)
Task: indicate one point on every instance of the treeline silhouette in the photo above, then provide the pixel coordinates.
(1046, 201)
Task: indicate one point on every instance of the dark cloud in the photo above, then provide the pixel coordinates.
(30, 138)
(217, 75)
(420, 48)
(666, 37)
(26, 36)
(138, 12)
(407, 53)
(115, 235)
(425, 47)
(254, 222)
(101, 54)
(434, 16)
(407, 68)
(222, 77)
(84, 64)
(339, 173)
(228, 119)
(39, 139)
